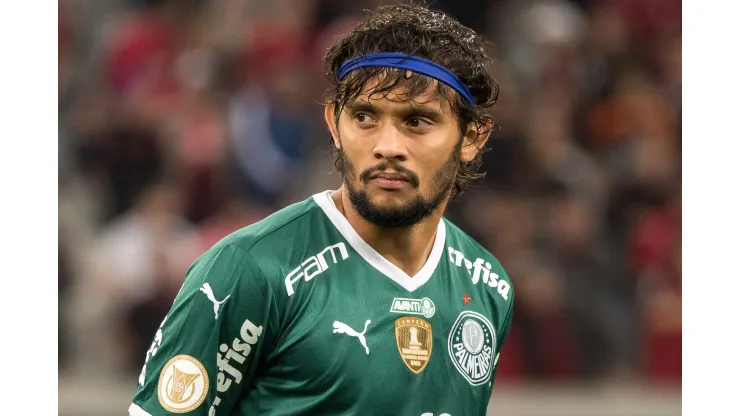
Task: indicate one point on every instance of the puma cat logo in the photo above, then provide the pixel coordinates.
(206, 288)
(342, 328)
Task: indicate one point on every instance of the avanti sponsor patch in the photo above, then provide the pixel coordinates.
(424, 306)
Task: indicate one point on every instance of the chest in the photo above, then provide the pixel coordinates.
(353, 331)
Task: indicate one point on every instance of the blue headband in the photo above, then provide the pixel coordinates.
(413, 63)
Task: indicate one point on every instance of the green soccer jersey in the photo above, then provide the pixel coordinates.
(297, 315)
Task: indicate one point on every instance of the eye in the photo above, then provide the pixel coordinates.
(417, 122)
(363, 117)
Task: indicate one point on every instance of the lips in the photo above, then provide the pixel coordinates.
(390, 177)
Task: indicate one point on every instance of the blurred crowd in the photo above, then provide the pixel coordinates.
(183, 120)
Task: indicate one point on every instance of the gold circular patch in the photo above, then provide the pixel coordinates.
(183, 384)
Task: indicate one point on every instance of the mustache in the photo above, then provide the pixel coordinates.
(408, 175)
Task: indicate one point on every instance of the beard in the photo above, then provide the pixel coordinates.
(413, 211)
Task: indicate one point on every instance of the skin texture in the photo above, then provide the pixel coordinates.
(399, 159)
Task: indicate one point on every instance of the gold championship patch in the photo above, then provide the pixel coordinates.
(414, 340)
(183, 384)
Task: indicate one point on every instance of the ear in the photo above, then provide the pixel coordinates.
(329, 115)
(475, 138)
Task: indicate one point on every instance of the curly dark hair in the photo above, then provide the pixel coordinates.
(418, 31)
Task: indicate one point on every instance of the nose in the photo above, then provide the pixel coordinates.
(390, 144)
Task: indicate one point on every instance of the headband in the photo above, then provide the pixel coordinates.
(412, 63)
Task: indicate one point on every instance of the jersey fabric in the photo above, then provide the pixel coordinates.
(297, 315)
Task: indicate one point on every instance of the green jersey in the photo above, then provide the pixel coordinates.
(297, 315)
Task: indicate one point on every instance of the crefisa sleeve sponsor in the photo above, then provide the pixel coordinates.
(231, 357)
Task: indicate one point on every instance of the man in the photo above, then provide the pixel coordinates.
(361, 301)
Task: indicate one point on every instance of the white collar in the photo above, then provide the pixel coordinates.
(325, 202)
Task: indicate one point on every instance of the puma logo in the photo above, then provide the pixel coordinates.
(342, 328)
(206, 288)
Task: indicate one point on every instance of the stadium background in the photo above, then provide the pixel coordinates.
(182, 120)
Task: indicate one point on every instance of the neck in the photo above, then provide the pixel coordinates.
(408, 248)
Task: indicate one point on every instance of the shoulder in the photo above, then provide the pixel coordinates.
(274, 228)
(266, 249)
(463, 251)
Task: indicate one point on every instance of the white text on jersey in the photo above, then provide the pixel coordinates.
(152, 351)
(240, 348)
(314, 266)
(478, 272)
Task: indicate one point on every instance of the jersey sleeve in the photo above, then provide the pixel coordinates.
(503, 334)
(220, 328)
